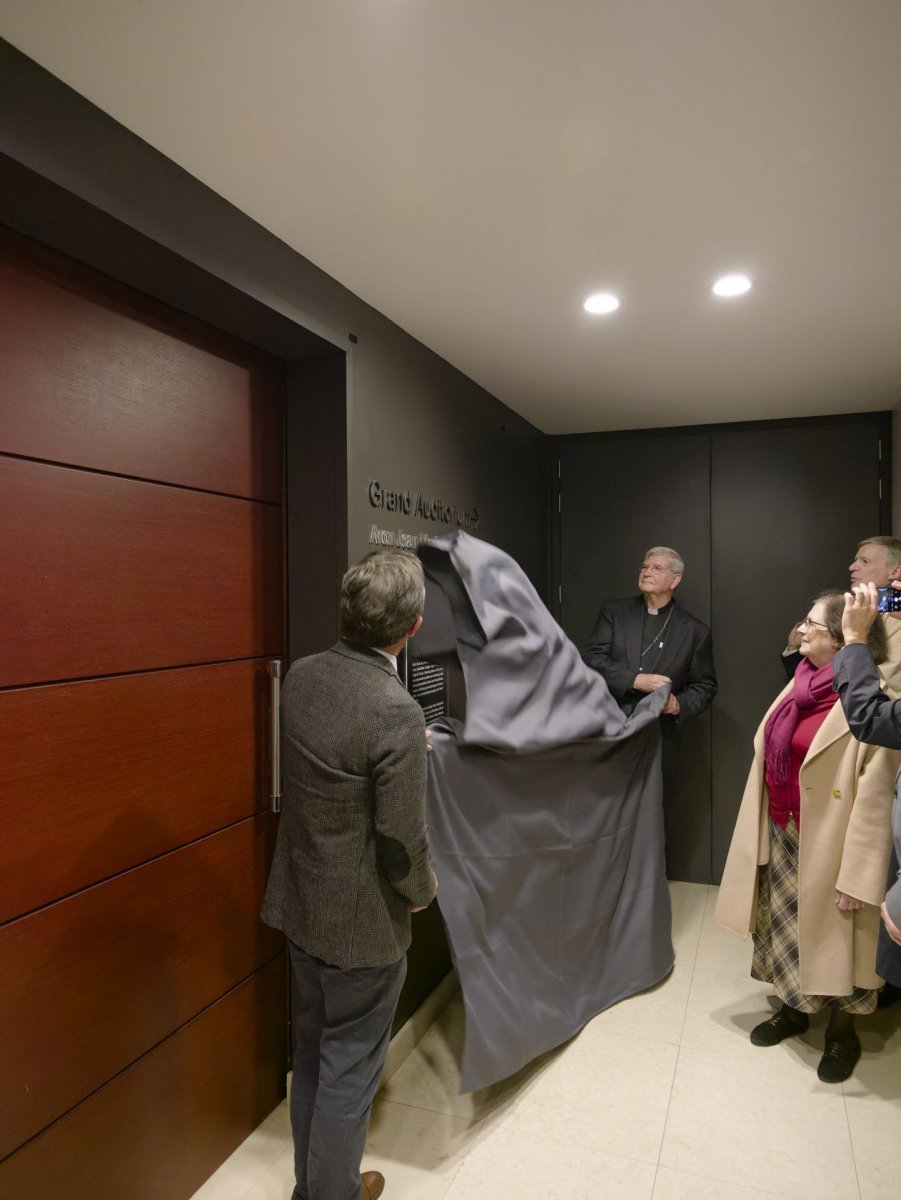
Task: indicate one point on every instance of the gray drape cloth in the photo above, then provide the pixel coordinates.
(546, 825)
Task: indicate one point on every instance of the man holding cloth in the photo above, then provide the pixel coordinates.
(351, 863)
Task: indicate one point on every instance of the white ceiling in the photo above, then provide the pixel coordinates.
(474, 168)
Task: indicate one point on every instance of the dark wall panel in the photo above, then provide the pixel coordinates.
(91, 380)
(791, 502)
(316, 500)
(93, 981)
(618, 497)
(125, 769)
(198, 1094)
(766, 515)
(106, 575)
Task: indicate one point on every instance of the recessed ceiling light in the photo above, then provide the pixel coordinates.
(732, 285)
(602, 302)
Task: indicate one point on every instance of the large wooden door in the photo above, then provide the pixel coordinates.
(142, 1004)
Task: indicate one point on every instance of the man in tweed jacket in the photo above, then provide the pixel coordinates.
(351, 863)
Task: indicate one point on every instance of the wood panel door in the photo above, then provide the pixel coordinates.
(141, 531)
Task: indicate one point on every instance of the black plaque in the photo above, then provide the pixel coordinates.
(427, 683)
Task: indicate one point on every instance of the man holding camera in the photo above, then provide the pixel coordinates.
(877, 562)
(875, 718)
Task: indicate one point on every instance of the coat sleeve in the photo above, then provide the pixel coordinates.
(399, 785)
(866, 849)
(790, 663)
(893, 895)
(700, 681)
(872, 716)
(599, 654)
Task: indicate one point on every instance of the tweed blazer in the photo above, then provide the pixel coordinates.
(846, 799)
(351, 857)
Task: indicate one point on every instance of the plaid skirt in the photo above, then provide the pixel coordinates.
(776, 959)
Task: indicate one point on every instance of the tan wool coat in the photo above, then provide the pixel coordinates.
(846, 801)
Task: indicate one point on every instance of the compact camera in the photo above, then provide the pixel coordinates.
(889, 599)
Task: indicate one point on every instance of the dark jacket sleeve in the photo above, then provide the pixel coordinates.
(873, 716)
(599, 653)
(700, 682)
(790, 663)
(399, 783)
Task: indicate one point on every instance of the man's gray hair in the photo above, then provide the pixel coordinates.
(891, 545)
(381, 597)
(676, 565)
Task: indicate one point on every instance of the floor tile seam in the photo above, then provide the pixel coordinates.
(439, 1112)
(635, 1037)
(691, 980)
(553, 1143)
(691, 965)
(726, 1179)
(851, 1142)
(666, 1115)
(269, 1169)
(745, 1056)
(746, 974)
(257, 1178)
(642, 1037)
(453, 1178)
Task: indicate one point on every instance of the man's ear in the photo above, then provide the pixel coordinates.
(677, 579)
(415, 627)
(894, 573)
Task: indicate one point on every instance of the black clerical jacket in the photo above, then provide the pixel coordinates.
(614, 650)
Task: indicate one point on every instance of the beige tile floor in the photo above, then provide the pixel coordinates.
(660, 1098)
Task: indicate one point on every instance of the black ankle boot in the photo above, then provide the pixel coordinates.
(787, 1022)
(839, 1060)
(842, 1049)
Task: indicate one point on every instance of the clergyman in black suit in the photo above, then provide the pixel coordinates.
(642, 642)
(875, 718)
(351, 862)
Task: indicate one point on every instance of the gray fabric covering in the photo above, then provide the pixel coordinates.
(546, 826)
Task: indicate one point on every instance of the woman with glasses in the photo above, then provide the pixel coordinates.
(806, 869)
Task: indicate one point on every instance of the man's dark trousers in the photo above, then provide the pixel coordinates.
(342, 1026)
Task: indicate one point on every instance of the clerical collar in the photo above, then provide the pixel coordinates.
(658, 612)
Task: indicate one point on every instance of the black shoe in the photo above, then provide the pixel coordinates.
(838, 1061)
(889, 995)
(785, 1024)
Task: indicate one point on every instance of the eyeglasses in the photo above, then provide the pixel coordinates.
(656, 569)
(808, 624)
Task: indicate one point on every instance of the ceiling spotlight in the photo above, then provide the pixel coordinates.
(601, 302)
(732, 285)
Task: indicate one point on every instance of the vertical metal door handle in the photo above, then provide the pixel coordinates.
(275, 748)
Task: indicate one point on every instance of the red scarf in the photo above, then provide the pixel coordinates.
(812, 690)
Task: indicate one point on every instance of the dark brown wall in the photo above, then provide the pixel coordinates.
(74, 179)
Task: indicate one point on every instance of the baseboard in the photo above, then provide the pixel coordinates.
(414, 1030)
